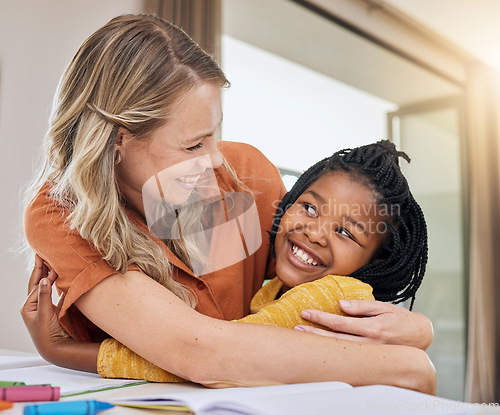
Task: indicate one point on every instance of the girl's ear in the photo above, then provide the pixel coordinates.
(123, 137)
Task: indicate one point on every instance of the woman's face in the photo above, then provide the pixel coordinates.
(177, 156)
(333, 228)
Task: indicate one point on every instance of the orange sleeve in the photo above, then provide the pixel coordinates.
(79, 265)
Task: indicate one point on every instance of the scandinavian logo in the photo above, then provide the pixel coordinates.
(208, 228)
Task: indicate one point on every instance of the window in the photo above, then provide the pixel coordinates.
(304, 87)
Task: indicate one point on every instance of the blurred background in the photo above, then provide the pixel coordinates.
(309, 77)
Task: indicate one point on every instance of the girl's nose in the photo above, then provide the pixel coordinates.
(316, 232)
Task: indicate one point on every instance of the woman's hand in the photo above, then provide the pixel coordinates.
(40, 316)
(373, 322)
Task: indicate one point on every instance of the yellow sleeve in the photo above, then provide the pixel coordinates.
(117, 361)
(323, 294)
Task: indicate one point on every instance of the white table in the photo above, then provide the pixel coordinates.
(349, 402)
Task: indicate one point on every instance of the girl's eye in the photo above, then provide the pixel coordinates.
(344, 232)
(196, 147)
(310, 209)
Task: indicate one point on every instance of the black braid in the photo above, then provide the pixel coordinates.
(399, 264)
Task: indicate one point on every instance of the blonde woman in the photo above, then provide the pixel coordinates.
(159, 233)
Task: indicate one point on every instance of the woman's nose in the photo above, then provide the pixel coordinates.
(214, 160)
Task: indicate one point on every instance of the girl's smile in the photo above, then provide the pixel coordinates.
(303, 256)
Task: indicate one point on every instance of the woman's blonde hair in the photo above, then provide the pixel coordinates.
(128, 74)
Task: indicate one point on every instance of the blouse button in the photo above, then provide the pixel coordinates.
(200, 285)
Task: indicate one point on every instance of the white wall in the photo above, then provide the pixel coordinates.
(37, 40)
(293, 114)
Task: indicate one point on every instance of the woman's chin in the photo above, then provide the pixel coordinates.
(178, 193)
(178, 200)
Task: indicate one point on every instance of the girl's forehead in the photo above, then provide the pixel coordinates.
(338, 185)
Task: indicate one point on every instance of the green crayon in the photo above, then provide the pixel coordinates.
(10, 383)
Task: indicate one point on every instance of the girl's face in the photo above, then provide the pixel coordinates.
(177, 156)
(334, 227)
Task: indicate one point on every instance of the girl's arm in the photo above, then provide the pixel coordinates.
(50, 339)
(157, 325)
(109, 358)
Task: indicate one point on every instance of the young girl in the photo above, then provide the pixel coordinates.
(349, 225)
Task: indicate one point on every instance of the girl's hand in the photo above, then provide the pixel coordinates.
(38, 312)
(373, 322)
(40, 316)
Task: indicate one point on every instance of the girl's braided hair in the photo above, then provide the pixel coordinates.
(397, 269)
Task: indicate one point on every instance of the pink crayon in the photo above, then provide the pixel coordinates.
(30, 393)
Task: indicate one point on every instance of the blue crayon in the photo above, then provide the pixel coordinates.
(67, 408)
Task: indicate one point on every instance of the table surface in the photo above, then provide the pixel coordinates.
(143, 390)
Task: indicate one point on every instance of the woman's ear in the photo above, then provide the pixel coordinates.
(123, 137)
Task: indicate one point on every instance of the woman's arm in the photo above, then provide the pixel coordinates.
(154, 323)
(57, 347)
(118, 361)
(115, 360)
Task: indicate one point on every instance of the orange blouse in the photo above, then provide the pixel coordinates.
(223, 294)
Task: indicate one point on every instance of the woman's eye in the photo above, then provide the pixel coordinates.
(310, 209)
(196, 147)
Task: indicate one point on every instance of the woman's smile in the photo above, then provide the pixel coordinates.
(188, 182)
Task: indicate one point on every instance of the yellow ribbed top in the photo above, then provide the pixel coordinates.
(323, 294)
